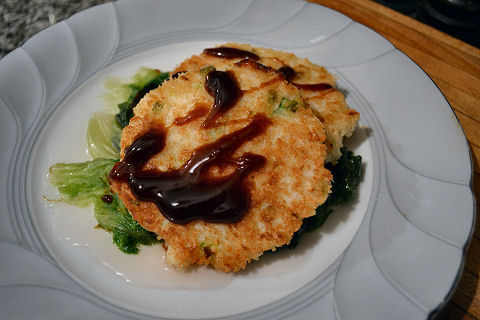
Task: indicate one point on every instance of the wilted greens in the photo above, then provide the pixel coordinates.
(346, 176)
(86, 183)
(103, 136)
(80, 183)
(127, 233)
(144, 81)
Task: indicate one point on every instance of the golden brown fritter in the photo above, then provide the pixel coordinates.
(291, 185)
(330, 107)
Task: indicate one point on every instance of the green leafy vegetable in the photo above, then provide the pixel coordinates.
(104, 128)
(346, 176)
(103, 136)
(119, 90)
(142, 82)
(80, 183)
(127, 233)
(311, 223)
(85, 183)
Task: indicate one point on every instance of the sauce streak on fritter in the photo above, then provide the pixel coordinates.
(196, 113)
(313, 86)
(287, 71)
(190, 193)
(230, 53)
(223, 87)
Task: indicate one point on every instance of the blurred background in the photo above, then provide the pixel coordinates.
(459, 18)
(21, 19)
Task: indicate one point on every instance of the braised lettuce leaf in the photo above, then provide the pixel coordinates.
(86, 183)
(103, 136)
(127, 233)
(80, 183)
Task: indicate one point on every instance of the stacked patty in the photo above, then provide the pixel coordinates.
(329, 105)
(242, 125)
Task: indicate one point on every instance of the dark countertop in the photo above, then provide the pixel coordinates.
(21, 19)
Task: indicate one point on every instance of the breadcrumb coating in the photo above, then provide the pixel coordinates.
(329, 106)
(291, 185)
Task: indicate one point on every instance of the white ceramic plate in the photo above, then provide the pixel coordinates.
(395, 252)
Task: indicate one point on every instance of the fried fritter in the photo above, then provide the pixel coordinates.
(329, 105)
(288, 188)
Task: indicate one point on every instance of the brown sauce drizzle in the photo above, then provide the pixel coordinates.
(223, 87)
(230, 53)
(190, 193)
(263, 85)
(287, 71)
(313, 86)
(107, 198)
(197, 112)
